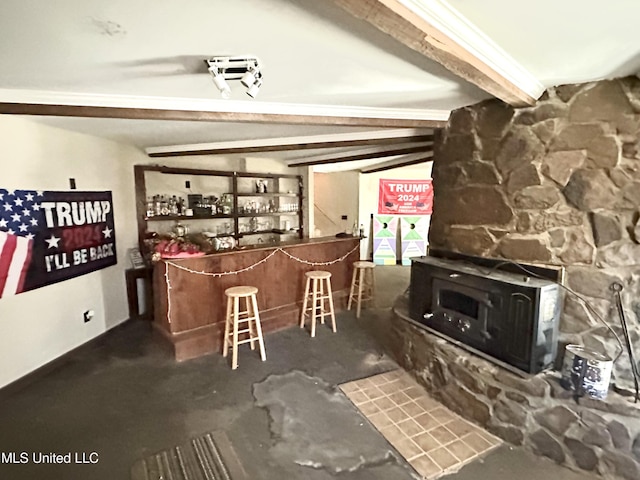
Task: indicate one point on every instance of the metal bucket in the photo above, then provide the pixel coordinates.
(586, 372)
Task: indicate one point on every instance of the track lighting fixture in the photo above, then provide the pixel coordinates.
(220, 82)
(250, 77)
(245, 69)
(252, 91)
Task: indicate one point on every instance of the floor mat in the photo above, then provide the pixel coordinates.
(433, 439)
(209, 457)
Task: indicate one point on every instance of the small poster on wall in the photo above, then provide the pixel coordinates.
(48, 237)
(384, 240)
(405, 197)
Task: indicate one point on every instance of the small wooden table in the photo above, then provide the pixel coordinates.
(131, 276)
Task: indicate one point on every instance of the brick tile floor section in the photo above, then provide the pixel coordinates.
(433, 439)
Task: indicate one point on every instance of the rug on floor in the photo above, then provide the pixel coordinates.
(209, 457)
(432, 438)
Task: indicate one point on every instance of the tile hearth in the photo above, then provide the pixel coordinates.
(433, 439)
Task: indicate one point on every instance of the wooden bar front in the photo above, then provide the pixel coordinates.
(189, 302)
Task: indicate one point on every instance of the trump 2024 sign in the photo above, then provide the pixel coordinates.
(405, 197)
(48, 237)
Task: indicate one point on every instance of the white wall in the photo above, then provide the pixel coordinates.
(335, 194)
(368, 198)
(42, 324)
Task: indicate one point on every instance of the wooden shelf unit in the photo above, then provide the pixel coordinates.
(239, 184)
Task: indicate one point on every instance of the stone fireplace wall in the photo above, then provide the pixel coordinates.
(556, 184)
(559, 184)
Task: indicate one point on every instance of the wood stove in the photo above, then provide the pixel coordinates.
(509, 317)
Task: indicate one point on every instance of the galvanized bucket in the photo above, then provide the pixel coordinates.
(586, 372)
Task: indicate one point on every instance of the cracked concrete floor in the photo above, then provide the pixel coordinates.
(305, 415)
(125, 398)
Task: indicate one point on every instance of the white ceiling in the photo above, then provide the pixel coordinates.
(562, 41)
(312, 53)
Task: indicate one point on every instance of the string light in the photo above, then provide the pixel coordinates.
(242, 270)
(320, 263)
(222, 274)
(166, 276)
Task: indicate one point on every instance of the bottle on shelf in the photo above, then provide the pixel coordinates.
(164, 206)
(150, 210)
(157, 207)
(173, 206)
(227, 204)
(361, 230)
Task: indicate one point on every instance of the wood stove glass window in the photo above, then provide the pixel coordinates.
(459, 302)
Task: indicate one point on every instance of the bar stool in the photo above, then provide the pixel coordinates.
(318, 290)
(235, 317)
(363, 284)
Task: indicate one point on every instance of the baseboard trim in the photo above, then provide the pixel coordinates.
(53, 365)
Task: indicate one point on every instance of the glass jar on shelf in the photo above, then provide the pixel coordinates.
(150, 209)
(164, 206)
(226, 202)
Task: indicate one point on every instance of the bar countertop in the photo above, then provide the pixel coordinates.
(269, 246)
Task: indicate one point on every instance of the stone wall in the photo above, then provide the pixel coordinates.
(559, 184)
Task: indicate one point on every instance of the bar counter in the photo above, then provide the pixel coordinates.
(189, 299)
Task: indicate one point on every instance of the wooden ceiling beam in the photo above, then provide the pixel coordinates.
(405, 21)
(402, 162)
(210, 116)
(344, 140)
(427, 147)
(287, 147)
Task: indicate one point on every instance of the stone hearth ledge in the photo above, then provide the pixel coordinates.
(532, 411)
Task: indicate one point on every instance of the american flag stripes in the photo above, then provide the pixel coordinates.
(15, 255)
(20, 217)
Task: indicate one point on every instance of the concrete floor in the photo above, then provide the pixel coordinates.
(124, 398)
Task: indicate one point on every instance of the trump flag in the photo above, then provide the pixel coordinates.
(405, 197)
(48, 237)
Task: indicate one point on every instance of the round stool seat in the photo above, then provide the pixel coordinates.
(363, 264)
(318, 274)
(241, 291)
